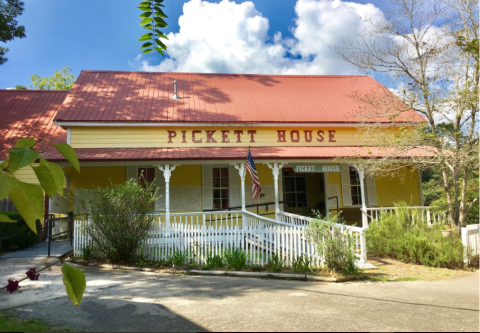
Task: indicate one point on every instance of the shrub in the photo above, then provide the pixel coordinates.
(301, 264)
(395, 236)
(178, 258)
(236, 258)
(275, 263)
(119, 219)
(214, 261)
(87, 253)
(19, 236)
(334, 242)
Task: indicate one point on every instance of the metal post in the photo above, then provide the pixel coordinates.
(49, 235)
(70, 215)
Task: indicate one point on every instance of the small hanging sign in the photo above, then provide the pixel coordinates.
(317, 168)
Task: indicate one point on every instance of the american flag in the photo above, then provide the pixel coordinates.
(250, 165)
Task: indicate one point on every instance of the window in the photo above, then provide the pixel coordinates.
(220, 188)
(295, 189)
(355, 187)
(148, 175)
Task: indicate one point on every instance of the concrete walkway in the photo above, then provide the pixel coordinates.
(57, 249)
(137, 301)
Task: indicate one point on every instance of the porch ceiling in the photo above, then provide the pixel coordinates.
(231, 153)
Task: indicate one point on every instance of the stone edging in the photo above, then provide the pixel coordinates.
(301, 277)
(284, 276)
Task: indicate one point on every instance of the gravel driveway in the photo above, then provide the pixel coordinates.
(137, 301)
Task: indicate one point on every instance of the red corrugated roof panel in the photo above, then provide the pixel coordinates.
(109, 96)
(30, 113)
(230, 153)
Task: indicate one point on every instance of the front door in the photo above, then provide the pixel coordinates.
(303, 193)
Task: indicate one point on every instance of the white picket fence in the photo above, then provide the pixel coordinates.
(200, 235)
(471, 241)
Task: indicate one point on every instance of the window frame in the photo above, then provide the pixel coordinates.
(221, 188)
(285, 192)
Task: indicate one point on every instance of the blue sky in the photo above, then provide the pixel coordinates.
(92, 34)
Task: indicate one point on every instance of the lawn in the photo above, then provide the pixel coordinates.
(11, 323)
(394, 270)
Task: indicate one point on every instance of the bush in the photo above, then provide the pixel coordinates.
(334, 242)
(214, 261)
(395, 236)
(236, 258)
(301, 264)
(119, 220)
(178, 258)
(275, 263)
(23, 236)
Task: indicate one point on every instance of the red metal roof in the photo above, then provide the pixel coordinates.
(227, 153)
(30, 113)
(109, 96)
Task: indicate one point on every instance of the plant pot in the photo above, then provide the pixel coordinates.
(447, 233)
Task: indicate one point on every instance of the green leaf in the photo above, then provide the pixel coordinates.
(144, 46)
(147, 51)
(159, 43)
(50, 177)
(160, 51)
(160, 22)
(26, 142)
(145, 15)
(69, 153)
(161, 36)
(158, 1)
(21, 157)
(160, 13)
(148, 26)
(28, 199)
(5, 218)
(75, 283)
(7, 183)
(145, 21)
(145, 9)
(143, 39)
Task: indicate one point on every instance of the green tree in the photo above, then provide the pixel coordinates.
(9, 28)
(29, 198)
(20, 87)
(60, 80)
(429, 50)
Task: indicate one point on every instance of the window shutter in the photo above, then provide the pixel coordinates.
(207, 187)
(160, 184)
(346, 189)
(371, 190)
(234, 186)
(132, 172)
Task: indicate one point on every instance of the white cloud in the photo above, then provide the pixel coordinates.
(227, 37)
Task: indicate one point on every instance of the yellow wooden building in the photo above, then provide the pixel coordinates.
(192, 133)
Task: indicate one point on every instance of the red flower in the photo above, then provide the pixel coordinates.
(12, 286)
(32, 274)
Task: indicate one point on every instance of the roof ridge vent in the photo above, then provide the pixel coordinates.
(175, 94)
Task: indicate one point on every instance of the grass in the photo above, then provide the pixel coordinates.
(395, 270)
(10, 323)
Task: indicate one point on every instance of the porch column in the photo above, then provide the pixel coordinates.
(361, 177)
(167, 173)
(276, 167)
(241, 170)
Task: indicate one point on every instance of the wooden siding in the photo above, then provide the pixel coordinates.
(158, 137)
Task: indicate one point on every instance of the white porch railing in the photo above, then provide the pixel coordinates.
(418, 214)
(206, 233)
